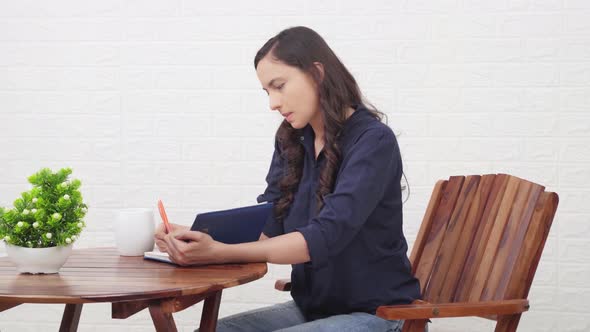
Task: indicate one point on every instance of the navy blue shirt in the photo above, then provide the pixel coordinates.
(356, 244)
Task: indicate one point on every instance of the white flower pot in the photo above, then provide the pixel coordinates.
(38, 260)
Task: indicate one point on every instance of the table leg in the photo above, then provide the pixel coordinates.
(210, 312)
(71, 317)
(162, 321)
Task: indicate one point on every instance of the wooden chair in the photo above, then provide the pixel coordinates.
(477, 250)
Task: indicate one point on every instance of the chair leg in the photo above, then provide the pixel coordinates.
(507, 323)
(414, 325)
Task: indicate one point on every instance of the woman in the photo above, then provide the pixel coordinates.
(335, 183)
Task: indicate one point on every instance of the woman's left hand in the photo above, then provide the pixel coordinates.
(199, 250)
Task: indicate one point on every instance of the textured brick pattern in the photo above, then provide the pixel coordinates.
(148, 99)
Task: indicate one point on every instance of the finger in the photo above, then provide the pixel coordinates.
(180, 250)
(160, 231)
(189, 235)
(181, 245)
(171, 249)
(171, 242)
(161, 244)
(161, 227)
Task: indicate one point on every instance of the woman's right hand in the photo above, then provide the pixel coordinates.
(161, 233)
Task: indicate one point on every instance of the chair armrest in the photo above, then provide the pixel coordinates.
(461, 309)
(283, 285)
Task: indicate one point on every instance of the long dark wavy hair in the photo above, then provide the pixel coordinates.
(300, 47)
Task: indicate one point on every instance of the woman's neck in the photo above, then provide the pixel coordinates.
(317, 124)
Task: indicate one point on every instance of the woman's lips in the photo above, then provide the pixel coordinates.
(289, 116)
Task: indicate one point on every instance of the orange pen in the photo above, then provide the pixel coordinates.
(163, 215)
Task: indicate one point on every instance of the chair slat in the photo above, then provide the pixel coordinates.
(512, 241)
(533, 244)
(444, 257)
(437, 230)
(498, 250)
(420, 242)
(483, 271)
(465, 243)
(476, 253)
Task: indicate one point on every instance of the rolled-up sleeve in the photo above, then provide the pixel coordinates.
(272, 192)
(364, 174)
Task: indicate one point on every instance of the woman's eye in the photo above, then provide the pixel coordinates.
(280, 87)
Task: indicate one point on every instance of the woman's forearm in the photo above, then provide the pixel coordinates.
(285, 249)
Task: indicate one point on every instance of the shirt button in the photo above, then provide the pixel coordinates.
(301, 138)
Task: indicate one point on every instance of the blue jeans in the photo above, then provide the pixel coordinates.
(286, 317)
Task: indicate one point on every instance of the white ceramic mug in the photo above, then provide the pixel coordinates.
(134, 231)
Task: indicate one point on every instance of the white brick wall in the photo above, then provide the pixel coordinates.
(147, 99)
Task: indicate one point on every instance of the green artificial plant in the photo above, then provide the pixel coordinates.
(50, 214)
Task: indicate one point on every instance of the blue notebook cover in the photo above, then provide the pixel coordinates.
(238, 225)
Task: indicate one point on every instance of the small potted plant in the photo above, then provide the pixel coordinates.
(41, 228)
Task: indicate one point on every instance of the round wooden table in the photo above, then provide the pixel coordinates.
(131, 284)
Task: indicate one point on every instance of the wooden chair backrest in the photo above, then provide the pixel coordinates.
(481, 238)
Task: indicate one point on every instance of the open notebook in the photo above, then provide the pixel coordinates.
(157, 255)
(238, 225)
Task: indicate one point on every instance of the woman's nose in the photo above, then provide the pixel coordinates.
(275, 102)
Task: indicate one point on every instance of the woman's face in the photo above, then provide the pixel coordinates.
(291, 91)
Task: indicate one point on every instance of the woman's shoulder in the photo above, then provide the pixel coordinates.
(372, 131)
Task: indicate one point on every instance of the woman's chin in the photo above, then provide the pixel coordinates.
(296, 125)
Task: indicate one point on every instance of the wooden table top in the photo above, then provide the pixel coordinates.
(102, 275)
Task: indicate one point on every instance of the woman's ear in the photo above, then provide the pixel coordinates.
(319, 68)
